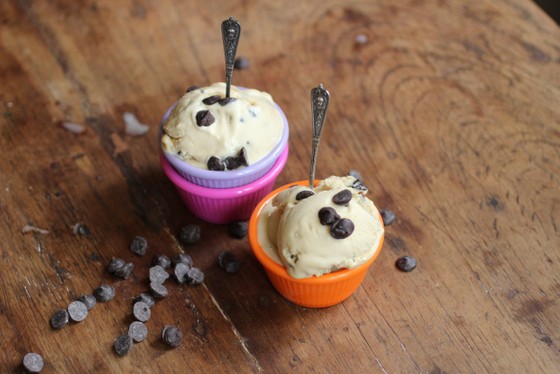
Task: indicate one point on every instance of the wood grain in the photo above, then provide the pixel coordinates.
(449, 110)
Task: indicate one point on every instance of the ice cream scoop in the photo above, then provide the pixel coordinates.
(213, 132)
(315, 232)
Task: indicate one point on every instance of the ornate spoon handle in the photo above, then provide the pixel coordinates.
(319, 105)
(231, 29)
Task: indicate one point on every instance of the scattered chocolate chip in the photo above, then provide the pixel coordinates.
(161, 260)
(342, 228)
(141, 311)
(180, 272)
(241, 63)
(88, 300)
(190, 234)
(192, 88)
(157, 274)
(215, 164)
(229, 262)
(328, 216)
(182, 258)
(77, 311)
(139, 245)
(33, 362)
(343, 197)
(59, 319)
(81, 229)
(125, 271)
(388, 216)
(406, 263)
(226, 100)
(104, 293)
(356, 174)
(238, 229)
(158, 290)
(115, 264)
(194, 276)
(145, 298)
(172, 336)
(304, 194)
(204, 118)
(137, 331)
(211, 100)
(122, 345)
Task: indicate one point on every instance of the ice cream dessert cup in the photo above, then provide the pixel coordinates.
(224, 205)
(219, 142)
(316, 291)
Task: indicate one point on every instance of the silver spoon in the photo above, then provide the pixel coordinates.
(231, 29)
(319, 105)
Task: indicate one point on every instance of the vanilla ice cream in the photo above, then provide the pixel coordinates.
(209, 131)
(315, 232)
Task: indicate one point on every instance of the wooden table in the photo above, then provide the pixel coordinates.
(449, 109)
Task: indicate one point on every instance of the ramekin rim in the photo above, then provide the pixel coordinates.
(224, 193)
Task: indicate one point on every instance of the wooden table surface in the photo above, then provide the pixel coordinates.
(450, 109)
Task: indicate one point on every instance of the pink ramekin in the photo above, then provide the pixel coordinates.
(224, 205)
(227, 178)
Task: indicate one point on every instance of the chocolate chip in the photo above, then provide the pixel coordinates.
(190, 234)
(139, 245)
(158, 290)
(343, 197)
(141, 311)
(226, 100)
(82, 230)
(172, 336)
(304, 194)
(115, 264)
(161, 260)
(88, 300)
(241, 63)
(180, 272)
(342, 228)
(59, 319)
(145, 298)
(33, 362)
(157, 274)
(125, 271)
(238, 229)
(229, 262)
(406, 263)
(358, 185)
(122, 345)
(388, 216)
(233, 162)
(242, 155)
(210, 100)
(104, 293)
(356, 174)
(328, 215)
(204, 118)
(192, 88)
(137, 331)
(195, 276)
(215, 164)
(182, 258)
(77, 311)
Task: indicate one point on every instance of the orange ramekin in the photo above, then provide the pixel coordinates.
(313, 292)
